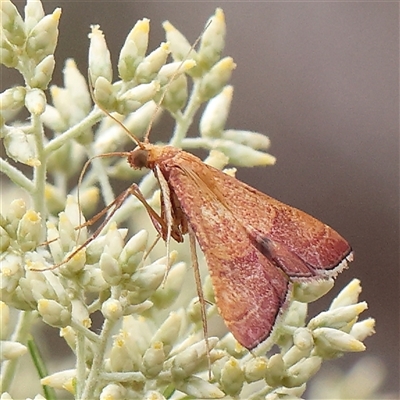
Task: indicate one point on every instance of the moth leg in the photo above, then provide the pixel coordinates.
(202, 301)
(167, 207)
(114, 205)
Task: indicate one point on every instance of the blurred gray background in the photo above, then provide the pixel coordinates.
(321, 79)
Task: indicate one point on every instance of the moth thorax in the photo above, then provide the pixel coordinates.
(139, 158)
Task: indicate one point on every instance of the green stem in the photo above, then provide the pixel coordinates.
(183, 123)
(39, 172)
(41, 368)
(96, 367)
(72, 133)
(80, 364)
(16, 176)
(21, 334)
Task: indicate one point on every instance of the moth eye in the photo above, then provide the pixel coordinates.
(139, 158)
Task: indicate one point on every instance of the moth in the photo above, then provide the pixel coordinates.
(255, 246)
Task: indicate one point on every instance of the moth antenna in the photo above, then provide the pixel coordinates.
(146, 136)
(200, 294)
(130, 134)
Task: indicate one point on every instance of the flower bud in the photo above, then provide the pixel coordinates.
(232, 378)
(348, 295)
(216, 113)
(19, 147)
(255, 369)
(242, 155)
(136, 97)
(99, 56)
(361, 330)
(33, 14)
(53, 313)
(174, 69)
(176, 94)
(134, 50)
(338, 317)
(331, 341)
(29, 231)
(11, 350)
(42, 39)
(307, 292)
(188, 361)
(198, 388)
(111, 269)
(275, 370)
(218, 76)
(179, 45)
(151, 65)
(43, 73)
(212, 40)
(61, 380)
(113, 391)
(12, 23)
(13, 98)
(112, 309)
(153, 360)
(255, 140)
(301, 372)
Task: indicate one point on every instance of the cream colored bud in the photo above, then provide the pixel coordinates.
(29, 231)
(275, 370)
(111, 269)
(132, 252)
(53, 313)
(219, 75)
(13, 98)
(60, 380)
(174, 69)
(254, 140)
(168, 332)
(232, 377)
(187, 361)
(306, 292)
(99, 56)
(77, 87)
(11, 350)
(334, 340)
(212, 40)
(35, 101)
(151, 65)
(242, 155)
(20, 147)
(33, 14)
(42, 39)
(216, 113)
(12, 23)
(113, 392)
(134, 50)
(348, 295)
(134, 98)
(301, 372)
(153, 360)
(112, 309)
(338, 317)
(255, 369)
(180, 46)
(199, 388)
(43, 73)
(361, 330)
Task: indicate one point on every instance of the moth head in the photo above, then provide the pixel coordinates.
(139, 158)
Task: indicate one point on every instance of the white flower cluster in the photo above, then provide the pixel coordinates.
(150, 344)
